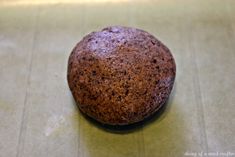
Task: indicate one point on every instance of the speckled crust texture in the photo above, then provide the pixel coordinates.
(120, 75)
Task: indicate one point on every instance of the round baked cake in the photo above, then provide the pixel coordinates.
(120, 75)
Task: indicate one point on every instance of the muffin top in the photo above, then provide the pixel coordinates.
(120, 75)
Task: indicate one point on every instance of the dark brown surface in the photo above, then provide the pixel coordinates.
(120, 75)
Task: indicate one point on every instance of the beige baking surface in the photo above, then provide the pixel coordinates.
(38, 117)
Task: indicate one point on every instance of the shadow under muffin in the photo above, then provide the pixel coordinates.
(124, 129)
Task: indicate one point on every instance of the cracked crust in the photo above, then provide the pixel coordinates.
(120, 75)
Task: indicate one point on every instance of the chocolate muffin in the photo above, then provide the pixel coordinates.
(120, 75)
